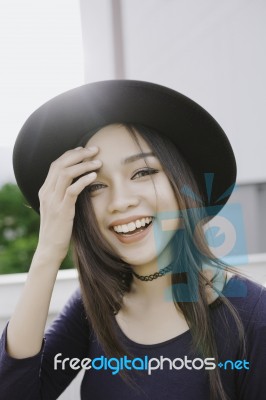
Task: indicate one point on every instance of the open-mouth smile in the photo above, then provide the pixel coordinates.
(134, 226)
(133, 231)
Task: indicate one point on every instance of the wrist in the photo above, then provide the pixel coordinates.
(45, 257)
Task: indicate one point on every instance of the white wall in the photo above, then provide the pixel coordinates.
(210, 50)
(41, 56)
(213, 51)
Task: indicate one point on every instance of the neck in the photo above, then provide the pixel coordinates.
(154, 290)
(158, 274)
(159, 289)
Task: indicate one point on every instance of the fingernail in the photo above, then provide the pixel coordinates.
(96, 161)
(78, 148)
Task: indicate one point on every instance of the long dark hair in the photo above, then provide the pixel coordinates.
(105, 277)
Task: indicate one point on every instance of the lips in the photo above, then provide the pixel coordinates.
(128, 219)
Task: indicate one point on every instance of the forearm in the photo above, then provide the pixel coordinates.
(58, 195)
(27, 324)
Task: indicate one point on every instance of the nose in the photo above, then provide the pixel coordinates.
(122, 198)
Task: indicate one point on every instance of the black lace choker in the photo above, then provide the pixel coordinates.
(156, 275)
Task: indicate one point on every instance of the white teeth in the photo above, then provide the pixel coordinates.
(138, 223)
(125, 228)
(132, 226)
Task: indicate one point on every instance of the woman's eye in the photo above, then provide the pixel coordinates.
(94, 187)
(144, 172)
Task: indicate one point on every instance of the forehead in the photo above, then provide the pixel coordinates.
(117, 138)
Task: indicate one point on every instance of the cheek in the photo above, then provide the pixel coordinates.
(98, 211)
(167, 198)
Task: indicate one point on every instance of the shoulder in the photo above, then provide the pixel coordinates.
(75, 309)
(248, 298)
(73, 315)
(74, 303)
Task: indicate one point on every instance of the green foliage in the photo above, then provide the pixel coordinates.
(19, 227)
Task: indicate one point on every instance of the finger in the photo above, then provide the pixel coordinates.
(70, 157)
(76, 188)
(75, 156)
(70, 174)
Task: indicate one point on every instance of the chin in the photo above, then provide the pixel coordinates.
(138, 261)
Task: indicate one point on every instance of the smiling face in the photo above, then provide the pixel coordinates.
(130, 192)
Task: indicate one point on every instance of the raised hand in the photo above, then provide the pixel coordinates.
(66, 179)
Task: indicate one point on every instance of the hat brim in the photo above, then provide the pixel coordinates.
(61, 123)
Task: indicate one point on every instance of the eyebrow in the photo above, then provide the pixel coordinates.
(136, 157)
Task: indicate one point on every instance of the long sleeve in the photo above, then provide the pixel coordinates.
(35, 378)
(252, 382)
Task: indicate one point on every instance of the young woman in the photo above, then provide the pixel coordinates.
(132, 172)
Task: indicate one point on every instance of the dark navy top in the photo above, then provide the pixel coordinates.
(243, 378)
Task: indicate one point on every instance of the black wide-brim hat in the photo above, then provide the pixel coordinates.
(61, 123)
